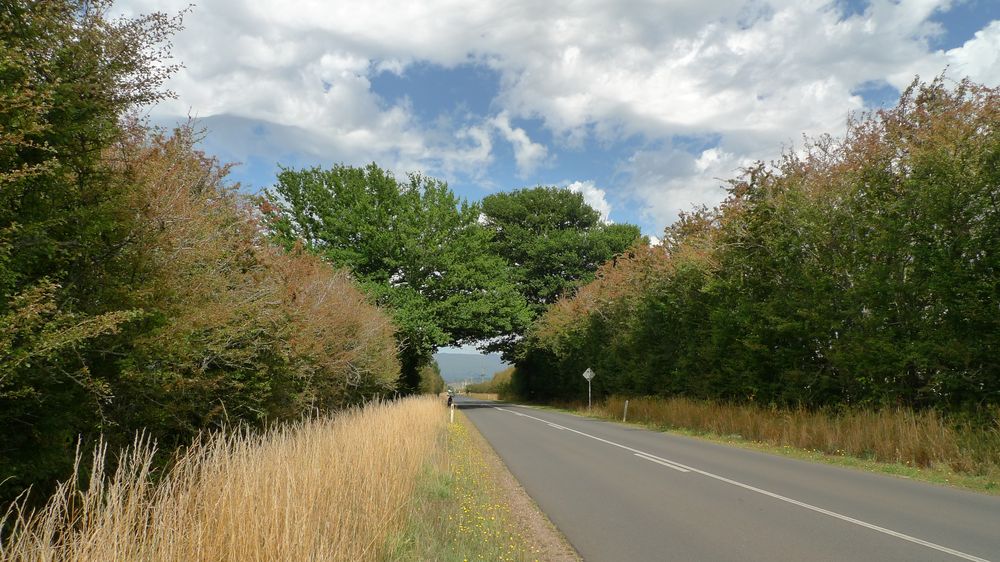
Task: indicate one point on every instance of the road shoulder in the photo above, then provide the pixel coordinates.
(531, 522)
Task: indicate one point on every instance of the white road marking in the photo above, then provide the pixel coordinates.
(810, 507)
(664, 463)
(511, 411)
(557, 426)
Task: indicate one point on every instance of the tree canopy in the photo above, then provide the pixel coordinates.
(553, 242)
(416, 247)
(856, 271)
(136, 290)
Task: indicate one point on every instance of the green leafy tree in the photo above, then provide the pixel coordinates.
(68, 76)
(553, 242)
(412, 244)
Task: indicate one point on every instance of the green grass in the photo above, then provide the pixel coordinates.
(457, 515)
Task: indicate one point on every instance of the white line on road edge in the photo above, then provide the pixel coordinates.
(664, 463)
(833, 514)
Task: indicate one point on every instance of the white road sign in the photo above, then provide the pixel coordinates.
(588, 374)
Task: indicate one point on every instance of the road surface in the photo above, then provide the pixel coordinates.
(621, 493)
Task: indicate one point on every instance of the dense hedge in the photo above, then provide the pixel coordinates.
(137, 289)
(864, 270)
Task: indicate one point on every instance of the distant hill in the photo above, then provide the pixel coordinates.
(457, 367)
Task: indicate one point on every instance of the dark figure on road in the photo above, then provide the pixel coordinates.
(449, 400)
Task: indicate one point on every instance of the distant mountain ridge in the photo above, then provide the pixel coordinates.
(457, 367)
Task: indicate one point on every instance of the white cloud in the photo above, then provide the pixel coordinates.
(527, 154)
(978, 58)
(593, 196)
(668, 180)
(755, 74)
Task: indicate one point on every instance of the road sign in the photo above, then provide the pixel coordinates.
(588, 374)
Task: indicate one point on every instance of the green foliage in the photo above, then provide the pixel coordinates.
(857, 272)
(137, 292)
(67, 77)
(413, 245)
(46, 389)
(553, 242)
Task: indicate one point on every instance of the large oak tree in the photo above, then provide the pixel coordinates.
(414, 245)
(553, 242)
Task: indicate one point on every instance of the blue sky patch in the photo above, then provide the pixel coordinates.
(434, 89)
(963, 20)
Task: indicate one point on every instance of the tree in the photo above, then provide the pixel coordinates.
(68, 76)
(412, 244)
(553, 242)
(431, 381)
(238, 330)
(856, 271)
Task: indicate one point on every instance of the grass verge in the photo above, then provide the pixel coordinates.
(920, 446)
(459, 513)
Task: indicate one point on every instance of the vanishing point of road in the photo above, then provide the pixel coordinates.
(622, 493)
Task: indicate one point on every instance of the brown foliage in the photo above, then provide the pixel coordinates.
(628, 275)
(240, 325)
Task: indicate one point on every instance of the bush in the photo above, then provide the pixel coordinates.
(856, 272)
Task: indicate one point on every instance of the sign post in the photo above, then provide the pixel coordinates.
(588, 374)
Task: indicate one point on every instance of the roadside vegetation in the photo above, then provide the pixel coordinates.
(842, 299)
(387, 481)
(920, 444)
(138, 293)
(331, 488)
(498, 385)
(459, 512)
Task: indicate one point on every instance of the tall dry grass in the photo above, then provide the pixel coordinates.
(325, 489)
(922, 439)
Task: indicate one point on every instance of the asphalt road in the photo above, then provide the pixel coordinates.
(620, 493)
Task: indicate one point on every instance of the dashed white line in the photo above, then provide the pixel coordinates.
(659, 461)
(835, 515)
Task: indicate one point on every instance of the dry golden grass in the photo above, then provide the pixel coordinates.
(325, 489)
(920, 439)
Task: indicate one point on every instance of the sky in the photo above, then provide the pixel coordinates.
(645, 107)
